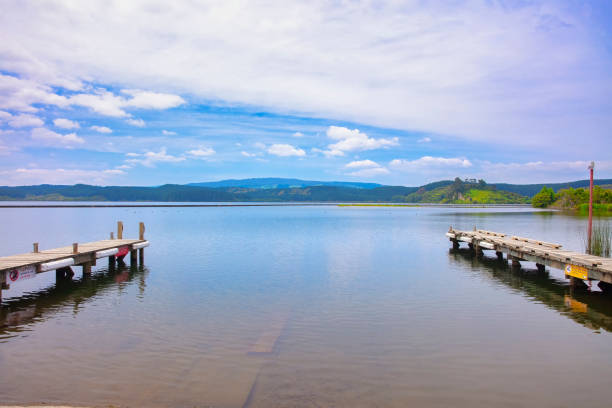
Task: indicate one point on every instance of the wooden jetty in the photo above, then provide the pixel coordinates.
(60, 260)
(578, 267)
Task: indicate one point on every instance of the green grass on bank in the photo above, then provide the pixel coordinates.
(598, 209)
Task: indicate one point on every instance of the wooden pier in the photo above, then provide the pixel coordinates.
(18, 267)
(578, 267)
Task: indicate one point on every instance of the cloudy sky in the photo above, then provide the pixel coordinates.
(397, 92)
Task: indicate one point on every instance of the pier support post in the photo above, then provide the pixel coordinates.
(3, 284)
(63, 273)
(141, 231)
(500, 256)
(515, 262)
(111, 262)
(119, 229)
(86, 268)
(605, 287)
(471, 246)
(133, 258)
(541, 268)
(479, 252)
(455, 244)
(577, 283)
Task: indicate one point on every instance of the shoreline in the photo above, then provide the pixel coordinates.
(289, 204)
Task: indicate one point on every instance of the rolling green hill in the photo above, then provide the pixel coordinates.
(463, 192)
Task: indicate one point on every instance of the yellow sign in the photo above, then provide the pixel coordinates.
(576, 271)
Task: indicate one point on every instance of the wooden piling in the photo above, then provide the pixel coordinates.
(515, 262)
(119, 229)
(86, 268)
(35, 247)
(3, 284)
(141, 231)
(75, 248)
(133, 258)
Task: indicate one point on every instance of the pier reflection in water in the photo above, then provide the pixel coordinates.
(18, 314)
(590, 309)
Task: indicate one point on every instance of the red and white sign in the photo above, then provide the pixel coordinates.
(17, 274)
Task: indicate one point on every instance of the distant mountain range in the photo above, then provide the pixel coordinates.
(287, 190)
(271, 183)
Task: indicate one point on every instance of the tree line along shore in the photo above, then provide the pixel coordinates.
(570, 195)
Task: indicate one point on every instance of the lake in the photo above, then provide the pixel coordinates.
(302, 306)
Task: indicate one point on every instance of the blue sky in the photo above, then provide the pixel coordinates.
(403, 92)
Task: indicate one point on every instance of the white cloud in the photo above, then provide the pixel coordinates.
(486, 70)
(101, 129)
(247, 154)
(66, 123)
(354, 140)
(298, 134)
(366, 168)
(371, 172)
(101, 101)
(108, 104)
(136, 122)
(149, 159)
(429, 162)
(5, 116)
(285, 150)
(151, 100)
(202, 152)
(25, 120)
(168, 132)
(56, 139)
(29, 176)
(20, 94)
(361, 164)
(424, 140)
(259, 145)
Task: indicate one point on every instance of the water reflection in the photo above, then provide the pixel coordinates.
(591, 309)
(37, 306)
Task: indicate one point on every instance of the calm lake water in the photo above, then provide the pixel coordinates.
(360, 307)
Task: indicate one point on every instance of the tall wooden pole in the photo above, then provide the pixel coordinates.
(590, 229)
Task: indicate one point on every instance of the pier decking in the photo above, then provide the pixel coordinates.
(577, 266)
(23, 266)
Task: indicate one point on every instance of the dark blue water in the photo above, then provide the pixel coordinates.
(354, 306)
